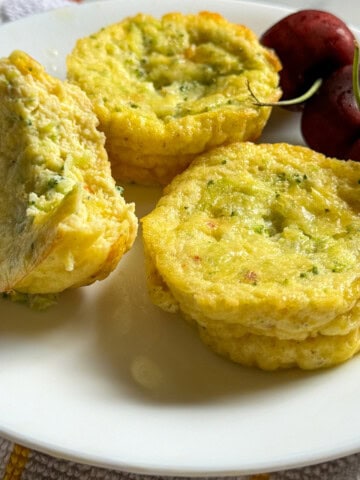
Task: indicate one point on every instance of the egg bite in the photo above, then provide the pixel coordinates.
(63, 221)
(168, 89)
(258, 246)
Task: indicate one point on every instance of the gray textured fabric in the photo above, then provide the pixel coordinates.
(39, 466)
(14, 9)
(5, 451)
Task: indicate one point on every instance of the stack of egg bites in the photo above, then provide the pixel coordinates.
(167, 89)
(256, 245)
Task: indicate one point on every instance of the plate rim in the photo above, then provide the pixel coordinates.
(70, 454)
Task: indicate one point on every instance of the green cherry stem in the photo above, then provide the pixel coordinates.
(294, 101)
(355, 75)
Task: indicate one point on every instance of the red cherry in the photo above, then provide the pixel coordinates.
(310, 44)
(330, 121)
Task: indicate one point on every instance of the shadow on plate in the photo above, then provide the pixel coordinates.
(73, 305)
(157, 357)
(283, 126)
(19, 320)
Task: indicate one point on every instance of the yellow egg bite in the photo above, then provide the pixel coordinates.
(271, 353)
(261, 242)
(168, 89)
(63, 221)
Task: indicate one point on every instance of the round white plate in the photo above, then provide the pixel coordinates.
(108, 379)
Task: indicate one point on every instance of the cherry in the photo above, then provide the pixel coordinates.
(330, 121)
(310, 44)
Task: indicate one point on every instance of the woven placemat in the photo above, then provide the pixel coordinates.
(21, 463)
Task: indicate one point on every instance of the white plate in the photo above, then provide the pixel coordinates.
(108, 379)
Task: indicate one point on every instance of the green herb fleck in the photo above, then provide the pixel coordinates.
(338, 267)
(259, 229)
(54, 181)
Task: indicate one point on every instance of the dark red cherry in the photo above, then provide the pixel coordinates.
(310, 44)
(330, 121)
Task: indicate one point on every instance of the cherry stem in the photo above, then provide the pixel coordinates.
(294, 101)
(355, 75)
